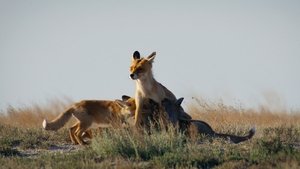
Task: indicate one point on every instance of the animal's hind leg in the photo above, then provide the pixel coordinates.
(79, 131)
(72, 133)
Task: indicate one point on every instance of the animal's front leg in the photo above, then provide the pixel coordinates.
(138, 110)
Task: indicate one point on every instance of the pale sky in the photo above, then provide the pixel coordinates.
(244, 52)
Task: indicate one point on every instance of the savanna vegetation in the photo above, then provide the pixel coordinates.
(276, 144)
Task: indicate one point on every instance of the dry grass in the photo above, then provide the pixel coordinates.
(218, 115)
(275, 145)
(221, 116)
(32, 116)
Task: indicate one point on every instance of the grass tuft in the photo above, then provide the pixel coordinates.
(133, 145)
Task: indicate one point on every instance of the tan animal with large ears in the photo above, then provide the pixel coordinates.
(146, 86)
(91, 114)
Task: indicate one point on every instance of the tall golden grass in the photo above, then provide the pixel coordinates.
(221, 117)
(224, 118)
(33, 115)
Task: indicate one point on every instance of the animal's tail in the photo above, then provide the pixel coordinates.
(237, 139)
(59, 122)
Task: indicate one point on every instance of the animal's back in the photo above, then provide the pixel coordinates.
(100, 111)
(168, 94)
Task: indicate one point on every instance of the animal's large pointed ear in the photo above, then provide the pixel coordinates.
(179, 101)
(136, 55)
(151, 57)
(125, 97)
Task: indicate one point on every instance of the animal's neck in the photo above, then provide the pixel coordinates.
(147, 83)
